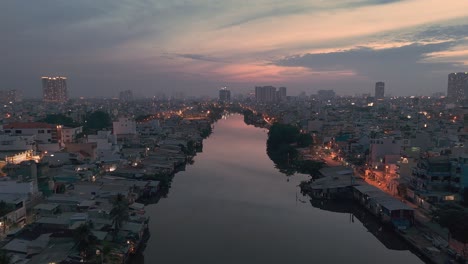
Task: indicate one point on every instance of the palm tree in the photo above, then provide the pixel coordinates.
(85, 240)
(4, 257)
(119, 213)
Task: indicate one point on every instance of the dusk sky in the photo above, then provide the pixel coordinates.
(198, 46)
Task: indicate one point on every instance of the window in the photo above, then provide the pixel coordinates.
(18, 131)
(7, 131)
(41, 131)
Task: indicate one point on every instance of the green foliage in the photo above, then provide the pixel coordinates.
(98, 120)
(59, 119)
(281, 134)
(119, 213)
(248, 115)
(455, 218)
(215, 113)
(5, 208)
(85, 241)
(304, 140)
(4, 257)
(206, 132)
(310, 167)
(190, 149)
(165, 186)
(252, 119)
(281, 143)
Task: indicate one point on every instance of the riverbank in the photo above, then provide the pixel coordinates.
(339, 186)
(233, 206)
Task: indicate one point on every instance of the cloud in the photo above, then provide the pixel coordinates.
(179, 43)
(273, 13)
(371, 62)
(457, 54)
(200, 57)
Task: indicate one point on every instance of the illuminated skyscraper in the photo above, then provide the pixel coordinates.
(457, 89)
(54, 89)
(379, 90)
(224, 95)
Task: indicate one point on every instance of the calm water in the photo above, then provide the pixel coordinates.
(233, 206)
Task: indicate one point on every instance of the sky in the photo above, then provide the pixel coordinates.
(198, 46)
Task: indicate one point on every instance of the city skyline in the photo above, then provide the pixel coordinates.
(196, 47)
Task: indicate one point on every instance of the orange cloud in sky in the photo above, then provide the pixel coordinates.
(458, 54)
(245, 48)
(289, 32)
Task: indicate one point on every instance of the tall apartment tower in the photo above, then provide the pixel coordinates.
(126, 95)
(265, 94)
(457, 88)
(224, 95)
(379, 90)
(282, 94)
(54, 89)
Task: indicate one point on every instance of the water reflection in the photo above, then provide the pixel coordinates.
(233, 206)
(384, 234)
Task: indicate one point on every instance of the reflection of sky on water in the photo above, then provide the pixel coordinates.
(233, 206)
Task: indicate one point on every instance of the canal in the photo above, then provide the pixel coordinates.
(233, 206)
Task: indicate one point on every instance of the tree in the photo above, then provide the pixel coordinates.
(98, 120)
(119, 213)
(4, 208)
(280, 134)
(4, 257)
(205, 132)
(281, 137)
(304, 140)
(85, 241)
(455, 219)
(59, 119)
(310, 167)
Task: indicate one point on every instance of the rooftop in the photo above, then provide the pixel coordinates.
(28, 125)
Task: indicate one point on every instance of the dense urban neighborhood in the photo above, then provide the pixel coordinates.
(78, 173)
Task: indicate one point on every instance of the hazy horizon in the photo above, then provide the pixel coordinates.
(196, 47)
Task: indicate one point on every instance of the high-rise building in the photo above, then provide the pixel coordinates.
(224, 95)
(281, 96)
(325, 95)
(54, 89)
(379, 90)
(265, 94)
(457, 88)
(126, 96)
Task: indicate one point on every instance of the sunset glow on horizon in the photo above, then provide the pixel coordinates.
(305, 45)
